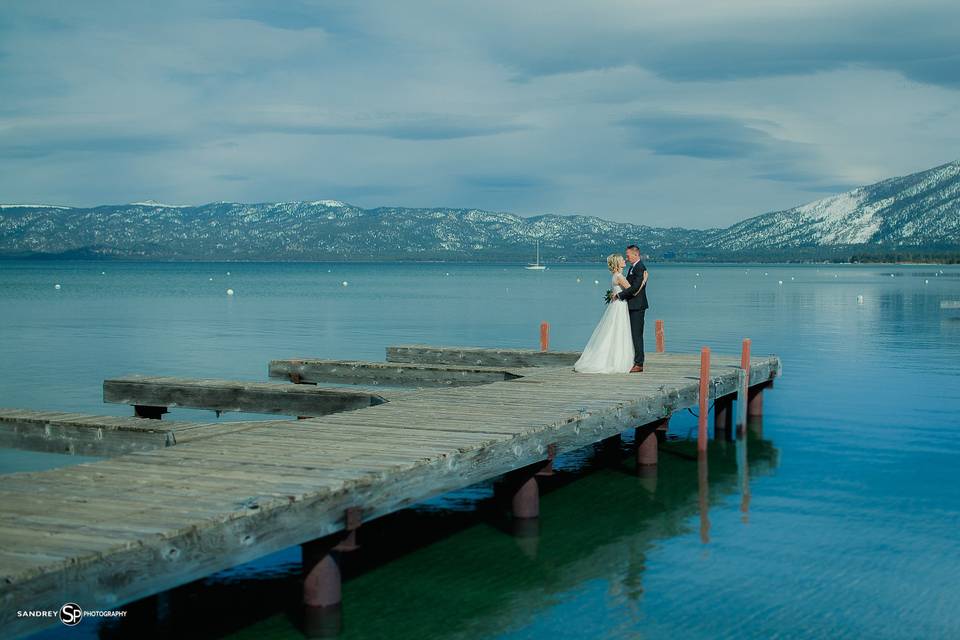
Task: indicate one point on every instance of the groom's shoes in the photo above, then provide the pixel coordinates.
(637, 368)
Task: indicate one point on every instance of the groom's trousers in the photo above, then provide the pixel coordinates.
(636, 331)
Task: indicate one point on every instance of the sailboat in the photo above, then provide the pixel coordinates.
(536, 266)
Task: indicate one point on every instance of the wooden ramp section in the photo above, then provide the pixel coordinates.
(388, 373)
(233, 395)
(106, 533)
(90, 435)
(466, 356)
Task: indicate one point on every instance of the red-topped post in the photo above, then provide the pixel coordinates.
(544, 336)
(660, 337)
(704, 398)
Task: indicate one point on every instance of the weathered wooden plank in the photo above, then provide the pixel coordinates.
(387, 373)
(475, 356)
(231, 395)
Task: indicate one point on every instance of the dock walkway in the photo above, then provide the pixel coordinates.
(106, 533)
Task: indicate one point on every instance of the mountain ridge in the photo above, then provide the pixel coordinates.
(919, 211)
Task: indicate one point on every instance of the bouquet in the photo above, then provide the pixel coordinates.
(608, 297)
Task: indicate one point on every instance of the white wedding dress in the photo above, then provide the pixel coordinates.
(610, 348)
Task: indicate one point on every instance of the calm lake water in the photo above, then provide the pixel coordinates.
(849, 527)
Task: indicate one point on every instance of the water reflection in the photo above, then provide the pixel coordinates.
(442, 574)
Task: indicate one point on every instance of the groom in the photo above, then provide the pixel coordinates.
(636, 297)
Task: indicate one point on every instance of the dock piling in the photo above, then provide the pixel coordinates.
(660, 337)
(526, 499)
(646, 442)
(723, 417)
(755, 400)
(704, 398)
(321, 582)
(544, 336)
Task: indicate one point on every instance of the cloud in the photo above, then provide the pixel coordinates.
(696, 136)
(694, 114)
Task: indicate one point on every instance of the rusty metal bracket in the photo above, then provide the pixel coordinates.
(353, 518)
(547, 469)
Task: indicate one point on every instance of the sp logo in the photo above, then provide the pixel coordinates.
(70, 614)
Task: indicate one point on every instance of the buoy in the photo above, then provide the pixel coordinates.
(578, 279)
(779, 281)
(448, 273)
(229, 292)
(791, 277)
(211, 279)
(344, 283)
(56, 286)
(765, 273)
(694, 286)
(329, 271)
(891, 275)
(103, 273)
(860, 299)
(926, 282)
(698, 274)
(834, 275)
(228, 273)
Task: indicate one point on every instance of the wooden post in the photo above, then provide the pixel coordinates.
(743, 390)
(755, 401)
(660, 337)
(526, 499)
(723, 417)
(544, 336)
(704, 398)
(646, 442)
(321, 583)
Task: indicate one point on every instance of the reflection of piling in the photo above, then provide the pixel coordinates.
(743, 477)
(703, 495)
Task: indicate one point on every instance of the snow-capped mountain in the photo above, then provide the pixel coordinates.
(918, 211)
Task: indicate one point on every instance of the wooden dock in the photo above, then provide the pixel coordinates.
(104, 534)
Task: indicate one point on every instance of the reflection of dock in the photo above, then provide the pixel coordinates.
(106, 533)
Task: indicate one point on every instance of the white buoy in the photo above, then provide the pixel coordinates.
(779, 281)
(228, 273)
(329, 271)
(344, 283)
(103, 273)
(926, 282)
(765, 273)
(448, 273)
(791, 277)
(57, 287)
(211, 279)
(834, 275)
(698, 274)
(860, 299)
(891, 275)
(694, 286)
(578, 279)
(594, 282)
(229, 292)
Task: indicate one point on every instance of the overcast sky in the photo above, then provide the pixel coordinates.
(664, 113)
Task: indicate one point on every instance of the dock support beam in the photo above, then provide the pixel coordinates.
(151, 413)
(544, 336)
(321, 582)
(723, 418)
(755, 399)
(646, 441)
(660, 337)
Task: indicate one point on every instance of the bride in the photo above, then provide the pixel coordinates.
(610, 348)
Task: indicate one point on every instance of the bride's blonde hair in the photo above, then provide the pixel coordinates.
(615, 262)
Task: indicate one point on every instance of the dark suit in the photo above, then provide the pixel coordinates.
(637, 304)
